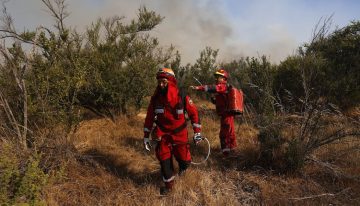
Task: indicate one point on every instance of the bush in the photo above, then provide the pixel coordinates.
(270, 140)
(280, 149)
(21, 180)
(334, 60)
(31, 182)
(9, 173)
(290, 140)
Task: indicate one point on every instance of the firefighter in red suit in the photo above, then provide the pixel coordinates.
(227, 131)
(166, 110)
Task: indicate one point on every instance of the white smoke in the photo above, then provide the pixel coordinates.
(242, 30)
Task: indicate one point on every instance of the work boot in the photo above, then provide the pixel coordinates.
(230, 154)
(167, 189)
(181, 172)
(183, 165)
(164, 191)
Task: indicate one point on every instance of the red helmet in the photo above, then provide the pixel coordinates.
(222, 72)
(165, 73)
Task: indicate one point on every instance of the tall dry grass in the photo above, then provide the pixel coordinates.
(114, 169)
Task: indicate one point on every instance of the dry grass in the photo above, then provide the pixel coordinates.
(115, 170)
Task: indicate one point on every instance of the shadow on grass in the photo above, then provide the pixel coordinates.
(132, 142)
(241, 160)
(98, 158)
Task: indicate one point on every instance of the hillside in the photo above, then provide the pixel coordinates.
(69, 133)
(114, 169)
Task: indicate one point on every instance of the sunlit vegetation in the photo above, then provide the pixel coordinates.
(72, 111)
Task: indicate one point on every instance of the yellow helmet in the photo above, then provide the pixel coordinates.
(165, 73)
(222, 72)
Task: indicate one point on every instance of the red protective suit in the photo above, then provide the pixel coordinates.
(166, 109)
(227, 131)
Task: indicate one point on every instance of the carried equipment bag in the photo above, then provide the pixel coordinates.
(235, 100)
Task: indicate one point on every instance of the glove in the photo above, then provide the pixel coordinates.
(197, 138)
(194, 87)
(147, 144)
(213, 100)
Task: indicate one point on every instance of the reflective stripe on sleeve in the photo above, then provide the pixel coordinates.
(179, 111)
(196, 125)
(225, 150)
(159, 111)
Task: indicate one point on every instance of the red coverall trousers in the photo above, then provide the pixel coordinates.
(173, 145)
(227, 133)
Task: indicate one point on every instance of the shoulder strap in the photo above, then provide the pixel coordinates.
(229, 87)
(182, 95)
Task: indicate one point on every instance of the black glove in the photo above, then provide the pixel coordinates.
(213, 100)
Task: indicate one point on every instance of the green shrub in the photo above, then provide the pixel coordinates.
(32, 182)
(270, 143)
(20, 183)
(295, 157)
(9, 173)
(279, 148)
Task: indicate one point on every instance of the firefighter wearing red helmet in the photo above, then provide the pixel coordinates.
(221, 72)
(167, 110)
(227, 130)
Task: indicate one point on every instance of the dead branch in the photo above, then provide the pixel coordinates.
(58, 12)
(321, 28)
(7, 29)
(336, 136)
(9, 114)
(333, 169)
(320, 195)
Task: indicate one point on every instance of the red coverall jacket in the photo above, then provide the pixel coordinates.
(221, 90)
(169, 112)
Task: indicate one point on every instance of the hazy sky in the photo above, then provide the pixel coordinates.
(237, 28)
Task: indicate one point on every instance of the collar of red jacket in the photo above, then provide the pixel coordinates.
(172, 93)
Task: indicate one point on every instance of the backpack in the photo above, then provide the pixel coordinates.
(235, 100)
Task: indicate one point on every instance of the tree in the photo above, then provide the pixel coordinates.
(317, 121)
(123, 64)
(205, 66)
(111, 68)
(341, 73)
